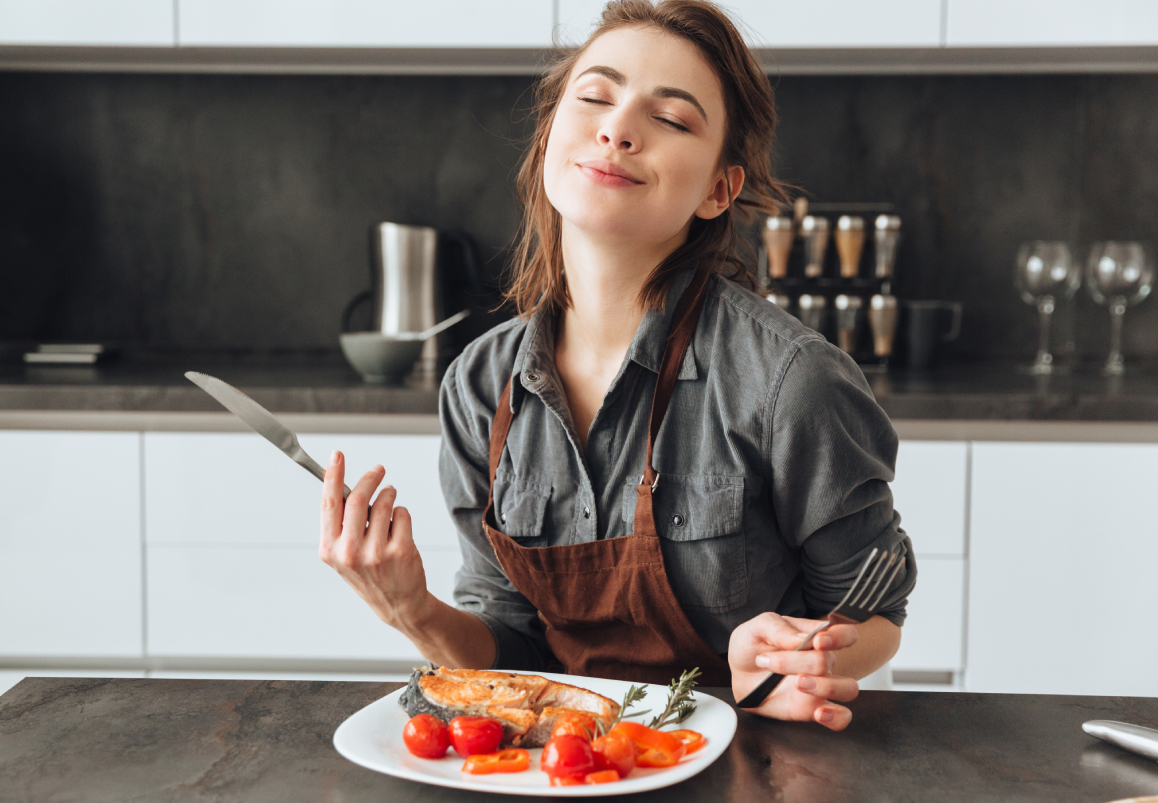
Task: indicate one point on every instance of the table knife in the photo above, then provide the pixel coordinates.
(1143, 741)
(261, 420)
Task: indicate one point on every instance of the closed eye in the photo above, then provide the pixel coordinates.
(672, 123)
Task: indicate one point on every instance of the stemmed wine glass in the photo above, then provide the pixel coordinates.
(1118, 274)
(1046, 272)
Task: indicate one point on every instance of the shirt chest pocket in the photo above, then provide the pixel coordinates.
(520, 507)
(699, 519)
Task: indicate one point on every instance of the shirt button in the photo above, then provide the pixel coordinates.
(677, 520)
(532, 376)
(586, 512)
(503, 518)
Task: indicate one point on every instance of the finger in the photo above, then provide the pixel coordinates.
(837, 637)
(830, 687)
(833, 717)
(401, 531)
(805, 662)
(332, 503)
(358, 504)
(768, 630)
(378, 533)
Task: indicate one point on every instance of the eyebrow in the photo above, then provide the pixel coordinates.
(659, 92)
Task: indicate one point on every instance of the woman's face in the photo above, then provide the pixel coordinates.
(646, 104)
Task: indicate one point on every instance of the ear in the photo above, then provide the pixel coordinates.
(719, 198)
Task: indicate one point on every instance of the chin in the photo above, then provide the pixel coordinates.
(601, 215)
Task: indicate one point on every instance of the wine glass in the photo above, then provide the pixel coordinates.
(1046, 272)
(1118, 274)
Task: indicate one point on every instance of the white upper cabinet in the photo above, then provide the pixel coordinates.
(1014, 23)
(365, 23)
(821, 23)
(929, 493)
(87, 22)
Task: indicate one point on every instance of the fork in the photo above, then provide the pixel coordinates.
(856, 607)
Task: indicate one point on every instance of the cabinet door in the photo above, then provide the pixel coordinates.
(929, 493)
(366, 23)
(238, 489)
(87, 22)
(271, 602)
(821, 23)
(1013, 23)
(1063, 566)
(933, 636)
(70, 544)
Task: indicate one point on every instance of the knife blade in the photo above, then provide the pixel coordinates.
(1136, 738)
(260, 420)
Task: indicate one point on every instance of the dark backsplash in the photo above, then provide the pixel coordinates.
(233, 212)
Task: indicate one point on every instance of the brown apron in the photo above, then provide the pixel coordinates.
(607, 606)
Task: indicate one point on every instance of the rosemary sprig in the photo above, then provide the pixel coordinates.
(680, 701)
(633, 696)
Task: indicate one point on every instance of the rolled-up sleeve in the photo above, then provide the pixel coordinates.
(833, 453)
(481, 587)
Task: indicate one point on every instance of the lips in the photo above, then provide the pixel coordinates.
(607, 172)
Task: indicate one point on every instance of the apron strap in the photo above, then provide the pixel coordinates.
(687, 315)
(499, 430)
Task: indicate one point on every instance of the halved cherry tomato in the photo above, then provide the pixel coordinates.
(576, 724)
(655, 748)
(615, 752)
(426, 736)
(566, 756)
(471, 735)
(513, 759)
(692, 740)
(603, 776)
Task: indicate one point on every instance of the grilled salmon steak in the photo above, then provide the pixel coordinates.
(527, 706)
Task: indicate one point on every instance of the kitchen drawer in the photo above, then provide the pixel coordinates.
(270, 602)
(366, 23)
(70, 544)
(1062, 567)
(929, 493)
(933, 636)
(236, 488)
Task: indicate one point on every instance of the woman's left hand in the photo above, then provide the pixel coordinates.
(807, 693)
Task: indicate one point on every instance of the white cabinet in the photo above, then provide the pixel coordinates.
(70, 544)
(933, 637)
(1018, 23)
(366, 23)
(1063, 567)
(785, 24)
(87, 22)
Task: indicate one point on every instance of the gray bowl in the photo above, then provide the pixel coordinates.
(380, 358)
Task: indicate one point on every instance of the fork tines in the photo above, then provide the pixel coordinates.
(869, 594)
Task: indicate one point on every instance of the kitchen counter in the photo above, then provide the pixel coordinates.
(222, 740)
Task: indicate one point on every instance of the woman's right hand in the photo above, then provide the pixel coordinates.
(374, 554)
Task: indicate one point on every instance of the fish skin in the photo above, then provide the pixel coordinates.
(527, 706)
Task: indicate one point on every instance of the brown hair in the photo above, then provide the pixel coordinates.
(536, 270)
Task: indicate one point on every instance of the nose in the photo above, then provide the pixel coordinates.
(620, 130)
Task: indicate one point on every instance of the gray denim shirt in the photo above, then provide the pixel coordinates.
(774, 462)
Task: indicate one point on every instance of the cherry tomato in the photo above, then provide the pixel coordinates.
(615, 752)
(471, 735)
(575, 725)
(603, 776)
(566, 756)
(692, 740)
(655, 748)
(513, 759)
(426, 736)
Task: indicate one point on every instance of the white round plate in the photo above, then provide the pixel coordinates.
(373, 738)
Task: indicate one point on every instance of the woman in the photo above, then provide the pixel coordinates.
(700, 493)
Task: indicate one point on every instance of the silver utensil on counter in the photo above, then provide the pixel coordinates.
(1135, 738)
(814, 230)
(863, 598)
(260, 420)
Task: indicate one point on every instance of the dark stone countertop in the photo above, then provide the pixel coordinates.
(974, 391)
(224, 740)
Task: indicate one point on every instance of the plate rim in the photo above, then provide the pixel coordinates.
(629, 786)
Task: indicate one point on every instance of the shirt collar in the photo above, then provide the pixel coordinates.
(535, 359)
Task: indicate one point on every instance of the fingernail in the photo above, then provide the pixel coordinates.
(334, 458)
(763, 661)
(826, 715)
(806, 683)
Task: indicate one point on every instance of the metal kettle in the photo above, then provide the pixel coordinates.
(406, 284)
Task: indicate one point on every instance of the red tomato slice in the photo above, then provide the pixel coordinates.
(692, 740)
(603, 776)
(615, 752)
(513, 759)
(471, 735)
(566, 755)
(426, 736)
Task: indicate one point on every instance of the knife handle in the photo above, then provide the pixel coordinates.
(311, 465)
